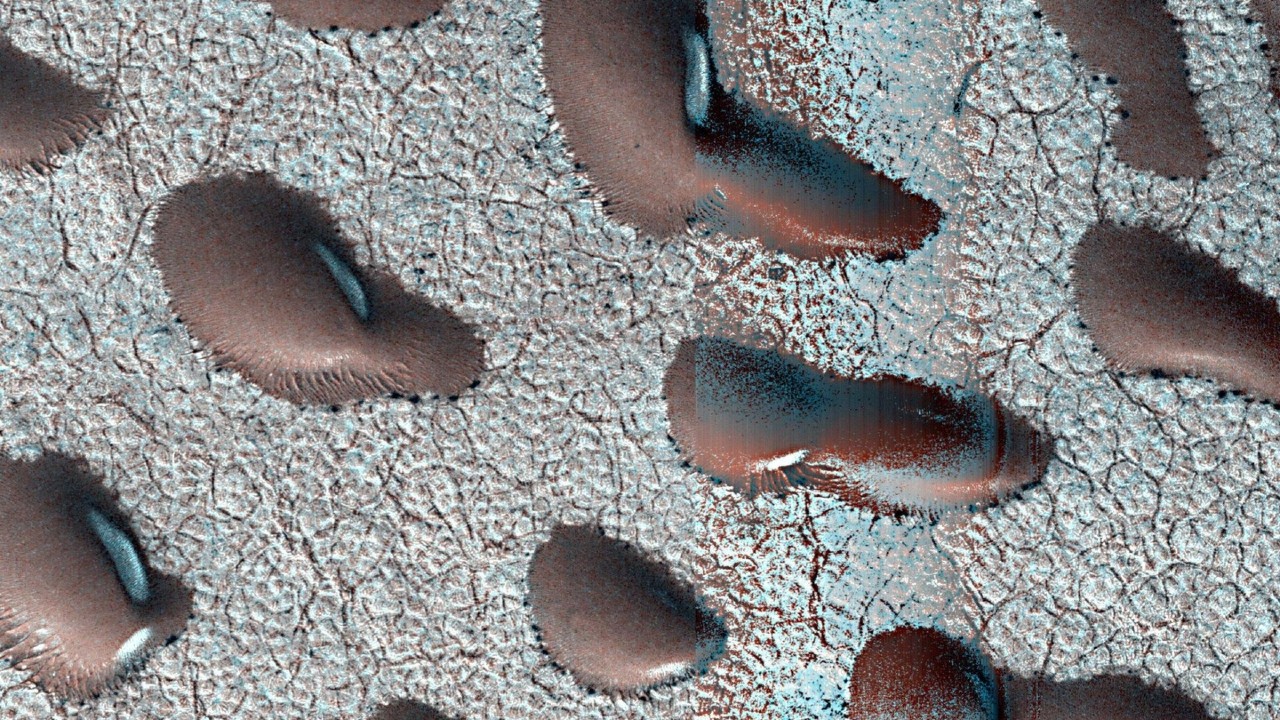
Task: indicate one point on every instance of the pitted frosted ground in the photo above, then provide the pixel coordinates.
(1142, 551)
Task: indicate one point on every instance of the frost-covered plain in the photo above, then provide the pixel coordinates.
(341, 559)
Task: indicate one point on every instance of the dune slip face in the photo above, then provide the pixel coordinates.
(367, 15)
(666, 145)
(615, 619)
(1138, 46)
(43, 112)
(1109, 697)
(79, 604)
(1151, 303)
(764, 422)
(258, 273)
(921, 673)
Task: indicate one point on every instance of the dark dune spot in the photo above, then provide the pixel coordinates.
(79, 605)
(408, 710)
(1153, 304)
(616, 620)
(665, 143)
(42, 111)
(765, 422)
(1111, 697)
(260, 275)
(1138, 44)
(922, 674)
(1268, 11)
(367, 15)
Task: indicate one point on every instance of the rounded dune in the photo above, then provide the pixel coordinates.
(79, 602)
(923, 674)
(1152, 303)
(616, 620)
(259, 274)
(765, 422)
(1138, 45)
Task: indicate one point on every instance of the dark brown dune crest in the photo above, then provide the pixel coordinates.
(1109, 697)
(920, 673)
(764, 422)
(1152, 303)
(1137, 43)
(79, 604)
(368, 15)
(408, 710)
(42, 111)
(615, 619)
(259, 274)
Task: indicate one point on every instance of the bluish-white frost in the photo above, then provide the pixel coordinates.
(346, 279)
(697, 78)
(124, 556)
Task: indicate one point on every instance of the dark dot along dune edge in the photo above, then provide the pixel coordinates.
(367, 15)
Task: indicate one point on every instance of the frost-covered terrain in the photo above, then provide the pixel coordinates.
(344, 558)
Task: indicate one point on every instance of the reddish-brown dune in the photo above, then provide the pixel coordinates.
(664, 144)
(42, 111)
(921, 674)
(1137, 44)
(802, 196)
(615, 619)
(1112, 697)
(765, 422)
(79, 605)
(369, 15)
(621, 103)
(259, 274)
(1152, 303)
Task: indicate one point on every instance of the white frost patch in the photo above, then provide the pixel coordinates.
(125, 557)
(667, 670)
(346, 279)
(783, 461)
(128, 652)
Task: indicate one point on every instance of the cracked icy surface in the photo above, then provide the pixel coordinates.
(340, 560)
